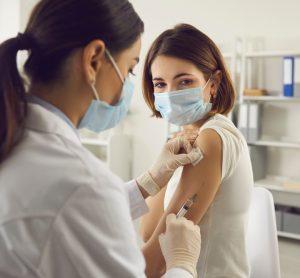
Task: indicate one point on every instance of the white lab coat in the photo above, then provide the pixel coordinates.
(62, 212)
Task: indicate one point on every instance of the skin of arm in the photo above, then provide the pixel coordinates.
(149, 221)
(203, 179)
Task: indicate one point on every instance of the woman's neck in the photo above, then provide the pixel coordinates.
(196, 125)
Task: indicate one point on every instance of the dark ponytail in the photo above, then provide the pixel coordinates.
(12, 96)
(55, 29)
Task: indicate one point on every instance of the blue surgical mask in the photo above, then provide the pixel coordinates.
(182, 107)
(101, 115)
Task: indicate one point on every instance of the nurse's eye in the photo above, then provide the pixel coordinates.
(186, 82)
(131, 72)
(159, 85)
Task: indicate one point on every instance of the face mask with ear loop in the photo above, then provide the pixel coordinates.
(100, 115)
(183, 107)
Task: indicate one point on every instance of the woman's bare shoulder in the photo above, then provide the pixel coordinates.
(209, 141)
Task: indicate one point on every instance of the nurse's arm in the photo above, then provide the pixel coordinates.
(136, 196)
(204, 180)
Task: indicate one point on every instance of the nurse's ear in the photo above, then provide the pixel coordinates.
(92, 59)
(215, 83)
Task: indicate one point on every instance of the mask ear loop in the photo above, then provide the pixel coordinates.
(112, 60)
(93, 86)
(205, 87)
(114, 64)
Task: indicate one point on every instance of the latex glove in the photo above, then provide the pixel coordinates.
(190, 134)
(175, 153)
(181, 244)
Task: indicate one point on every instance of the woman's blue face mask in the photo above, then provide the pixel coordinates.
(182, 107)
(101, 115)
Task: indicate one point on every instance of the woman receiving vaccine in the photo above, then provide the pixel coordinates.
(187, 84)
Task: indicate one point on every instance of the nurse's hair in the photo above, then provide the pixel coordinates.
(55, 29)
(187, 42)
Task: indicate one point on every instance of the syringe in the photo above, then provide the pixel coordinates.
(186, 206)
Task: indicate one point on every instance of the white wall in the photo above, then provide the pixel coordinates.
(26, 9)
(276, 21)
(9, 19)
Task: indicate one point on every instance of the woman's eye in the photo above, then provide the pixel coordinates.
(159, 85)
(186, 82)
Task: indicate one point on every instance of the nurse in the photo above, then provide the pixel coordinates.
(62, 212)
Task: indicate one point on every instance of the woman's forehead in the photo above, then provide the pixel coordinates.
(170, 67)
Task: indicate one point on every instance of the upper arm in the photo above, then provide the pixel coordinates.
(202, 179)
(149, 221)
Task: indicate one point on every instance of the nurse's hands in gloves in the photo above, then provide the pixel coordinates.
(189, 134)
(175, 153)
(181, 244)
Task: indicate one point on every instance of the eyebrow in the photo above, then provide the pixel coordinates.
(137, 59)
(175, 77)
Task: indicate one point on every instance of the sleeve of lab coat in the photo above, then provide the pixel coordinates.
(138, 206)
(94, 236)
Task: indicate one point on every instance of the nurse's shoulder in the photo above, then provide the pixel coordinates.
(55, 197)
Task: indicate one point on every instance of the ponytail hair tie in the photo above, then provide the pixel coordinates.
(25, 41)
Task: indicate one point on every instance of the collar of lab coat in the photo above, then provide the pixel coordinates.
(40, 119)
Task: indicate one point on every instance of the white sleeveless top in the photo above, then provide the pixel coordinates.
(224, 226)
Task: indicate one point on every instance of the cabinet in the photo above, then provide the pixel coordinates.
(275, 152)
(112, 148)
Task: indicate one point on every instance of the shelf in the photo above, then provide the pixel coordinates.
(275, 184)
(278, 144)
(281, 195)
(288, 235)
(271, 98)
(283, 190)
(266, 54)
(94, 142)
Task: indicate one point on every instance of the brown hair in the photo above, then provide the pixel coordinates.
(187, 42)
(55, 29)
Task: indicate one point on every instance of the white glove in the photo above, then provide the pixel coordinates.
(190, 134)
(175, 153)
(181, 244)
